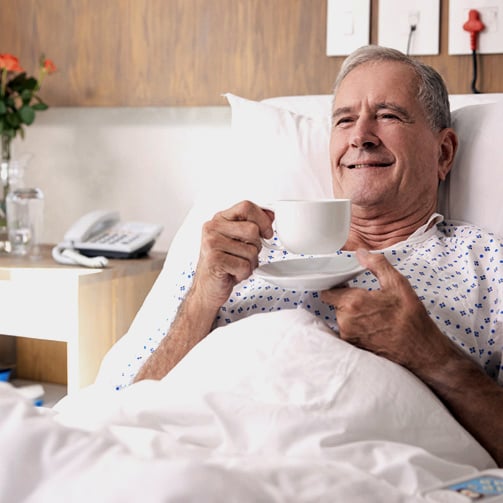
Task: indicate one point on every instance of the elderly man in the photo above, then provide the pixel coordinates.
(391, 145)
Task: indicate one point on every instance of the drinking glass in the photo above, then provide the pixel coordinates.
(25, 219)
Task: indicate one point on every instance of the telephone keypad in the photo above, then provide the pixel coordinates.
(123, 240)
(116, 238)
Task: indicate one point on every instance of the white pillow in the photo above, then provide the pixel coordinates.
(474, 186)
(275, 154)
(313, 105)
(462, 100)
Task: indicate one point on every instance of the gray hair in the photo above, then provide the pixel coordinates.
(432, 93)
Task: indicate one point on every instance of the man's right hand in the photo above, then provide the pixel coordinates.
(230, 244)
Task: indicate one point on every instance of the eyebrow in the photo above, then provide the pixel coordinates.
(379, 106)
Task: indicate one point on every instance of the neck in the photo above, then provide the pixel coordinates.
(375, 233)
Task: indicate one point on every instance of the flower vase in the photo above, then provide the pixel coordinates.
(11, 177)
(4, 192)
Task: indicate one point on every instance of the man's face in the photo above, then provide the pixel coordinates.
(384, 156)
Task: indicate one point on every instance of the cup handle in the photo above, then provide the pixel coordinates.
(269, 243)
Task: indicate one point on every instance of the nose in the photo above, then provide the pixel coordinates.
(363, 135)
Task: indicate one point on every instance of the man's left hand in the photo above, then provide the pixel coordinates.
(391, 322)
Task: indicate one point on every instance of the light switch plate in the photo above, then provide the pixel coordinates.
(490, 40)
(396, 18)
(348, 26)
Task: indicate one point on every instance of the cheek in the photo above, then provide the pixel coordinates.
(335, 154)
(425, 159)
(336, 150)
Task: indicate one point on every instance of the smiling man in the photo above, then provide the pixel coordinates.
(391, 145)
(388, 151)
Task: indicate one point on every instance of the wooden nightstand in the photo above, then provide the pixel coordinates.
(65, 318)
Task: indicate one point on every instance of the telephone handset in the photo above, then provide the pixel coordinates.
(100, 234)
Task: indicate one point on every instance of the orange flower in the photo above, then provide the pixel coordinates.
(10, 63)
(49, 66)
(19, 98)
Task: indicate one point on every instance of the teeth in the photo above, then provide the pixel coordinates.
(357, 166)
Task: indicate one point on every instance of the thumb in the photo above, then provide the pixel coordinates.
(378, 264)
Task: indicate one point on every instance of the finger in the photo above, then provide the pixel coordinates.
(248, 211)
(229, 234)
(335, 296)
(377, 263)
(234, 238)
(222, 264)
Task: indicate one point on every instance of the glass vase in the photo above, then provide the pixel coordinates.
(4, 192)
(11, 177)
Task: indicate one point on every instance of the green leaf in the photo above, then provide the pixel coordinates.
(20, 77)
(21, 82)
(3, 108)
(18, 83)
(27, 114)
(26, 95)
(38, 106)
(31, 83)
(13, 120)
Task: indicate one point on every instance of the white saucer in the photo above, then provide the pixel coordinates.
(314, 273)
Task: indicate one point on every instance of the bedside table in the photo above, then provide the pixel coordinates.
(65, 318)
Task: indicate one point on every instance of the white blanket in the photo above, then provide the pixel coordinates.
(273, 408)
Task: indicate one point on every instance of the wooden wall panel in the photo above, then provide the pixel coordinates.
(189, 52)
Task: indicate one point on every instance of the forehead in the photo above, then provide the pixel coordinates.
(379, 82)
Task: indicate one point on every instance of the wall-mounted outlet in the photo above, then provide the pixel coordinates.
(396, 19)
(490, 40)
(348, 26)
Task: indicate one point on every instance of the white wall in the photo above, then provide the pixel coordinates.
(148, 163)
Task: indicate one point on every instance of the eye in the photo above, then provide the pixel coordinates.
(388, 116)
(343, 121)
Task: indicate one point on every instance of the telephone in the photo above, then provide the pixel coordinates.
(100, 234)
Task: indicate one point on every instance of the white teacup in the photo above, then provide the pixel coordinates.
(312, 227)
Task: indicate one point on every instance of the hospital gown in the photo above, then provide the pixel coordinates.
(456, 271)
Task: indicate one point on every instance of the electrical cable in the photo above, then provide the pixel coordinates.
(69, 256)
(411, 31)
(474, 26)
(474, 73)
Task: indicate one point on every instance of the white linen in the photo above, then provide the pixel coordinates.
(473, 189)
(272, 408)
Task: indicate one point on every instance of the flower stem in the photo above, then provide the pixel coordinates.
(4, 82)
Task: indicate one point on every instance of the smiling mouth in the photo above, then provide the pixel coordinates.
(369, 165)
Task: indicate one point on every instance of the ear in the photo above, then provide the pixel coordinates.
(447, 150)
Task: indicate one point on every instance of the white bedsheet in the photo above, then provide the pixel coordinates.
(272, 408)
